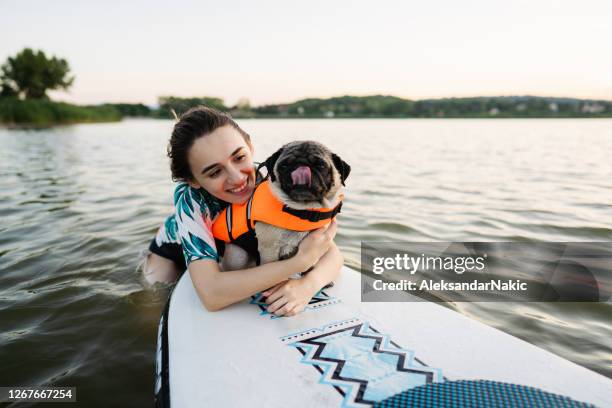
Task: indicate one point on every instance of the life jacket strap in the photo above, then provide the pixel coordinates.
(229, 222)
(311, 215)
(249, 219)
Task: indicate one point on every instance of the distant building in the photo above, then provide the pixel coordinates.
(329, 114)
(493, 111)
(521, 107)
(283, 110)
(592, 108)
(553, 107)
(354, 107)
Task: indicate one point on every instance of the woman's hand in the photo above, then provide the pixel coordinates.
(316, 244)
(290, 297)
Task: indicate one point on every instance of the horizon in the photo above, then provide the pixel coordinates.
(156, 105)
(277, 53)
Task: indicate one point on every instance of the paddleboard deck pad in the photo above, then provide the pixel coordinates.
(341, 352)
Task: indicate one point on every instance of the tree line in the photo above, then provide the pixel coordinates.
(384, 106)
(26, 78)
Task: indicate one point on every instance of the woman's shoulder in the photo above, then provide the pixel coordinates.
(188, 199)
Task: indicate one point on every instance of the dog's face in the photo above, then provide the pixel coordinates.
(307, 171)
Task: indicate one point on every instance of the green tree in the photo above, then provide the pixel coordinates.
(243, 104)
(31, 74)
(6, 91)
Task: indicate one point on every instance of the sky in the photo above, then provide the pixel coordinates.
(282, 51)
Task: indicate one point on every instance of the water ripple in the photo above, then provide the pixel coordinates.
(79, 204)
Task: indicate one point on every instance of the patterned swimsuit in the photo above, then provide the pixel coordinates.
(186, 235)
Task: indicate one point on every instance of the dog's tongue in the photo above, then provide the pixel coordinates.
(301, 175)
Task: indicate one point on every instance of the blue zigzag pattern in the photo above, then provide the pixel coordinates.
(363, 365)
(314, 303)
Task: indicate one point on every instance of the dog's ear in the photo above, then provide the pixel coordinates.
(269, 164)
(343, 168)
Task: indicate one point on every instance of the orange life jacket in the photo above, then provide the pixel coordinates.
(236, 223)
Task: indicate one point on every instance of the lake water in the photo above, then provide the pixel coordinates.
(79, 204)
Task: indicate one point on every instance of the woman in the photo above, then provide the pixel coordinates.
(211, 157)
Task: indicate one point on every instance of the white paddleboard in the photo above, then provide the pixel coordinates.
(342, 352)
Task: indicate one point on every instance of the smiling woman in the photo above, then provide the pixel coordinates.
(231, 179)
(211, 158)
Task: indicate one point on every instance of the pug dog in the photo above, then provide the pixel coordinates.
(303, 175)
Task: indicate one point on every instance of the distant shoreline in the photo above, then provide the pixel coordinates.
(406, 117)
(44, 112)
(386, 106)
(33, 113)
(34, 126)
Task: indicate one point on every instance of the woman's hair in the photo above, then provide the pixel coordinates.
(193, 124)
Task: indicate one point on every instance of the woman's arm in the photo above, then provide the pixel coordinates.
(326, 270)
(291, 297)
(218, 289)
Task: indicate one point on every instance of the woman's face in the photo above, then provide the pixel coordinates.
(221, 162)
